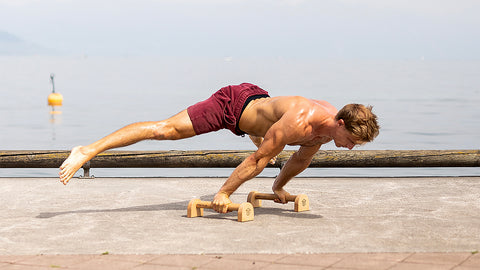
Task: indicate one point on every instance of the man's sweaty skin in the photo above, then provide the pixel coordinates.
(280, 121)
(284, 121)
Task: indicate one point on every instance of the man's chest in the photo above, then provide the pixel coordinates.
(312, 140)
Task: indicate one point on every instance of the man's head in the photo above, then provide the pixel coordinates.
(360, 121)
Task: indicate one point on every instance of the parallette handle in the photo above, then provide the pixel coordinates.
(209, 205)
(265, 196)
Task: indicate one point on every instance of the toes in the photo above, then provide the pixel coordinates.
(65, 176)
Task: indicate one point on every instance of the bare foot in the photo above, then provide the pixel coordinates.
(72, 164)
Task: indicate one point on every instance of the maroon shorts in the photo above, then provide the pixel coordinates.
(224, 108)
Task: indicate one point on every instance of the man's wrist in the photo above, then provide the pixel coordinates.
(224, 193)
(276, 188)
(276, 185)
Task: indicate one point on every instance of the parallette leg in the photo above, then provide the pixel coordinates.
(302, 203)
(253, 199)
(193, 210)
(245, 210)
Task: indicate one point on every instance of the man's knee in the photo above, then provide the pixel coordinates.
(167, 130)
(163, 131)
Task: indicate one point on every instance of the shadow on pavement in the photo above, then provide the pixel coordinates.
(182, 205)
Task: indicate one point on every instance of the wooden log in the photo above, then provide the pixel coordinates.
(231, 159)
(32, 159)
(397, 158)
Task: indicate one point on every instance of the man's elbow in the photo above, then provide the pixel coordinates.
(261, 161)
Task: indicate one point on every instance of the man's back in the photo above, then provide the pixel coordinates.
(261, 114)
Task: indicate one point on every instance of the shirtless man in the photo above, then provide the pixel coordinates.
(271, 122)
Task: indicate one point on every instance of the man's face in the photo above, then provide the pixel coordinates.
(344, 138)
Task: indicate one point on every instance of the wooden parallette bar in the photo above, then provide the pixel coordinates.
(245, 210)
(301, 200)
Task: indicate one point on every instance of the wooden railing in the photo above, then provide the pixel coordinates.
(232, 158)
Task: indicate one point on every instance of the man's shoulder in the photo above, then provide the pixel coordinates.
(291, 102)
(304, 102)
(325, 106)
(299, 104)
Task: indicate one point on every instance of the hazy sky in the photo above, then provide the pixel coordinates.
(401, 29)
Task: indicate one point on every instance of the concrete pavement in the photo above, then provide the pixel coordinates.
(400, 217)
(330, 261)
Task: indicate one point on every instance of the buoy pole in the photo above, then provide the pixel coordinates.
(54, 99)
(53, 83)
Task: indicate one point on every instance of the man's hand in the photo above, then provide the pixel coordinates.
(281, 196)
(273, 160)
(220, 202)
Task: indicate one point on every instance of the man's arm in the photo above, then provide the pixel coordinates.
(258, 141)
(296, 164)
(273, 144)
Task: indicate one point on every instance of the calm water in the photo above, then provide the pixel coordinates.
(421, 104)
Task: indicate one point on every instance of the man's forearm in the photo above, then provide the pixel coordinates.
(291, 169)
(247, 170)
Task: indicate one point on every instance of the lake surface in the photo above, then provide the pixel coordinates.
(420, 104)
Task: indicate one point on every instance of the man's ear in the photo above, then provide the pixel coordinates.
(340, 122)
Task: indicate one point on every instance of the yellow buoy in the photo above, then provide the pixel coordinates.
(55, 99)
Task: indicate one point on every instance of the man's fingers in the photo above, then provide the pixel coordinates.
(280, 200)
(216, 206)
(220, 207)
(273, 160)
(221, 202)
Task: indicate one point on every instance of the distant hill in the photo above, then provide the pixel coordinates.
(13, 45)
(6, 37)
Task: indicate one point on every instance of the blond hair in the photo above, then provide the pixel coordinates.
(360, 121)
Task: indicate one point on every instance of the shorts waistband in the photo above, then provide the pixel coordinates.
(249, 99)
